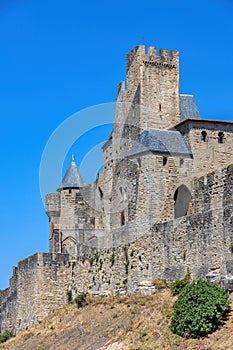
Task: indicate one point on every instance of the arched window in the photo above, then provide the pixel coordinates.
(220, 137)
(182, 198)
(69, 246)
(204, 136)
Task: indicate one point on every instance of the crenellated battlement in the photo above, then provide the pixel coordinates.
(158, 71)
(139, 54)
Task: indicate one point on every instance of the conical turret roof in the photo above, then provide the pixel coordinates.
(72, 178)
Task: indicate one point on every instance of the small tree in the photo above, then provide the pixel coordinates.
(199, 309)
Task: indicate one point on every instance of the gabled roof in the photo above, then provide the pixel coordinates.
(72, 178)
(160, 141)
(188, 108)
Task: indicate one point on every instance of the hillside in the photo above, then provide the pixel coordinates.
(132, 323)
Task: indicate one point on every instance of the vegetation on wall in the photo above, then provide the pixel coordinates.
(69, 296)
(5, 336)
(80, 299)
(126, 260)
(112, 259)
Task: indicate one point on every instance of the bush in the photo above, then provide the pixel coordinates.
(80, 299)
(177, 286)
(5, 336)
(199, 309)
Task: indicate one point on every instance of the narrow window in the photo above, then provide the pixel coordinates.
(204, 135)
(121, 192)
(220, 137)
(181, 162)
(164, 161)
(92, 221)
(160, 107)
(100, 192)
(122, 218)
(70, 190)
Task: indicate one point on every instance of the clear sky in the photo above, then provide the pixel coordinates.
(59, 57)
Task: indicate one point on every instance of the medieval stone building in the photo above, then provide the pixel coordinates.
(161, 206)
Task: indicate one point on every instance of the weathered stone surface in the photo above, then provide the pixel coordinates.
(156, 214)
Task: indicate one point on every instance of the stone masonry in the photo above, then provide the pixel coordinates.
(161, 206)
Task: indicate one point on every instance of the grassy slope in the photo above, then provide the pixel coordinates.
(132, 323)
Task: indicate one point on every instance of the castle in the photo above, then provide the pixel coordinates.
(161, 206)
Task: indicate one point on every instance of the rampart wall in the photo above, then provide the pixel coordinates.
(201, 242)
(38, 286)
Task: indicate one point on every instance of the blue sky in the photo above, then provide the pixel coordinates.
(59, 57)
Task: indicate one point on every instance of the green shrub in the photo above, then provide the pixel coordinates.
(5, 336)
(199, 309)
(177, 286)
(81, 299)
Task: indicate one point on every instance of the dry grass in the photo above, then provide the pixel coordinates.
(132, 323)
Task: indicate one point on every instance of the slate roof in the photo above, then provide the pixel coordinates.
(160, 141)
(188, 108)
(72, 178)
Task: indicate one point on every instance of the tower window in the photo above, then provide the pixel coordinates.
(70, 190)
(160, 107)
(164, 161)
(181, 162)
(122, 218)
(204, 136)
(100, 192)
(92, 221)
(220, 137)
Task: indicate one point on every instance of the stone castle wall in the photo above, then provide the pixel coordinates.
(38, 286)
(209, 152)
(153, 216)
(200, 242)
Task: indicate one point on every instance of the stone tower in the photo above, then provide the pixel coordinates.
(65, 213)
(151, 98)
